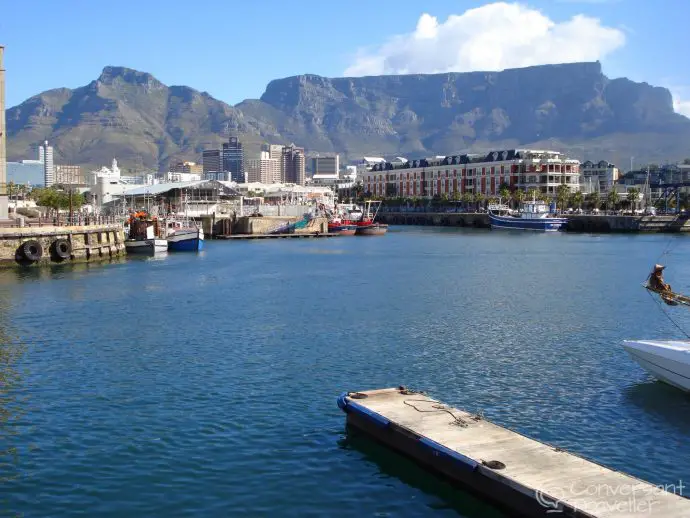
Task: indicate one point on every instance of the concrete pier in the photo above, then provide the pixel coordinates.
(520, 474)
(46, 245)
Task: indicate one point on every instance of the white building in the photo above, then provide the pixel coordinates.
(598, 176)
(523, 169)
(45, 156)
(171, 177)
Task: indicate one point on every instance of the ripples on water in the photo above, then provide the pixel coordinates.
(206, 384)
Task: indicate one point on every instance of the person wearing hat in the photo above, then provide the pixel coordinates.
(656, 280)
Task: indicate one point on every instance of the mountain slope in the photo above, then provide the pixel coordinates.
(575, 108)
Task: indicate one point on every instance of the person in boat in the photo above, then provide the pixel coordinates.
(656, 280)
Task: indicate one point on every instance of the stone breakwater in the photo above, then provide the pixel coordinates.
(604, 224)
(47, 245)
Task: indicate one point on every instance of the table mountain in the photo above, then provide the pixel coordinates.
(574, 107)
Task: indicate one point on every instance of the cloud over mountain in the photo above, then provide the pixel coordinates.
(495, 36)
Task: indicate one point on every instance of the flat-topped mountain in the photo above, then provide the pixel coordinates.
(573, 107)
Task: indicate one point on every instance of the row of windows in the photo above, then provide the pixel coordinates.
(485, 171)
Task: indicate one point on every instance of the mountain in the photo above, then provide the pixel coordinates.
(573, 107)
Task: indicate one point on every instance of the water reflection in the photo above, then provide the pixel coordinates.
(12, 407)
(442, 494)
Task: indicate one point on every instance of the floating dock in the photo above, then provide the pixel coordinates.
(515, 472)
(276, 236)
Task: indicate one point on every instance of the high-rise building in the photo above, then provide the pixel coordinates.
(264, 169)
(3, 157)
(211, 161)
(293, 162)
(325, 165)
(233, 159)
(187, 167)
(275, 152)
(45, 155)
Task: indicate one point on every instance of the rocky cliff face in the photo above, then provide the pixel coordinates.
(573, 107)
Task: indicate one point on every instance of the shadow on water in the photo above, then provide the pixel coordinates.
(662, 401)
(394, 465)
(53, 271)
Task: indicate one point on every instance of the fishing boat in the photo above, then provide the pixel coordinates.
(532, 215)
(184, 236)
(666, 360)
(344, 227)
(143, 236)
(367, 225)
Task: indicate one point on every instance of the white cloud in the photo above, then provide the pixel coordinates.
(681, 106)
(492, 37)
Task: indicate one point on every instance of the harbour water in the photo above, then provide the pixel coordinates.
(205, 384)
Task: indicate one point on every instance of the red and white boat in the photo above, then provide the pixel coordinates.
(367, 225)
(344, 227)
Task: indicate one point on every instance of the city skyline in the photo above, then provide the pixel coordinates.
(450, 36)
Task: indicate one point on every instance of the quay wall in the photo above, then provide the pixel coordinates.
(576, 223)
(266, 224)
(439, 219)
(86, 243)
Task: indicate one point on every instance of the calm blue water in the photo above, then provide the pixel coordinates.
(206, 384)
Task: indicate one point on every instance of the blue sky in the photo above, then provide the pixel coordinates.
(232, 49)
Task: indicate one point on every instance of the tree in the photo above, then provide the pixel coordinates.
(594, 200)
(479, 199)
(563, 195)
(519, 196)
(504, 192)
(576, 199)
(686, 161)
(55, 199)
(533, 194)
(467, 198)
(612, 199)
(633, 197)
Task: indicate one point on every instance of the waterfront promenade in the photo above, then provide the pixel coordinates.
(576, 223)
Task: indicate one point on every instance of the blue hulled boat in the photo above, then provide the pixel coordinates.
(189, 237)
(533, 215)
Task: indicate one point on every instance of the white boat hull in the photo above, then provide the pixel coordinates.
(666, 360)
(146, 246)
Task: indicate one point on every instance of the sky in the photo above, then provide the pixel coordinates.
(232, 49)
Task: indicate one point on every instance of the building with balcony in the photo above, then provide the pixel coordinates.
(598, 176)
(523, 169)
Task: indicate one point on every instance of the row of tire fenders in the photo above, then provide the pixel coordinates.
(32, 250)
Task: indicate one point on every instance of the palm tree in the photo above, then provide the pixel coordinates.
(612, 199)
(456, 197)
(533, 194)
(519, 196)
(633, 197)
(576, 199)
(594, 200)
(563, 195)
(504, 192)
(467, 198)
(479, 199)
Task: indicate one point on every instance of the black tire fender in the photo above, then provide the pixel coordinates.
(32, 250)
(62, 249)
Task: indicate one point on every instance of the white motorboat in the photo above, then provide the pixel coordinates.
(146, 246)
(142, 237)
(666, 360)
